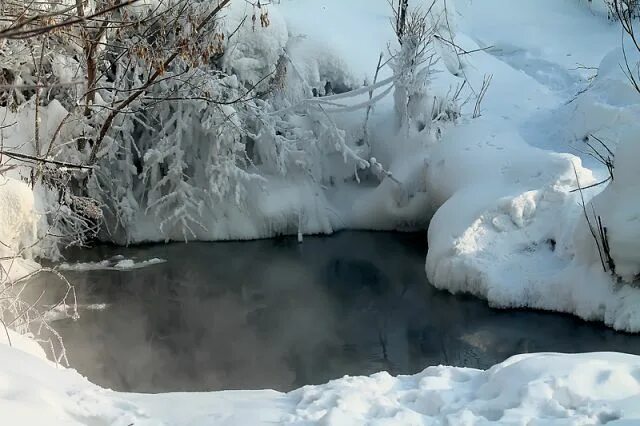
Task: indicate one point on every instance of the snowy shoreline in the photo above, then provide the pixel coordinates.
(511, 227)
(546, 388)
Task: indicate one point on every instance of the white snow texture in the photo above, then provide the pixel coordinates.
(534, 389)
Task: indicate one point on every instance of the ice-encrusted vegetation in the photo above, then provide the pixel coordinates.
(226, 128)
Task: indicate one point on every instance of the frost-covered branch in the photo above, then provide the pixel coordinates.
(28, 25)
(160, 69)
(330, 100)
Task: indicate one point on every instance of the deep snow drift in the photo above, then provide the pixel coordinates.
(511, 226)
(537, 389)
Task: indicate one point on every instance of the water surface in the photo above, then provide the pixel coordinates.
(278, 314)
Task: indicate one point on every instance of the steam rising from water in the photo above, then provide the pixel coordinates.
(278, 314)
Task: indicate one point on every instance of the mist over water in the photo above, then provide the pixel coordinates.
(278, 314)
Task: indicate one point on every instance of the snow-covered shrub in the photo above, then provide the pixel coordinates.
(412, 67)
(184, 111)
(100, 73)
(187, 151)
(176, 149)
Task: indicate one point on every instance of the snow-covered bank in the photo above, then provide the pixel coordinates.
(536, 389)
(510, 226)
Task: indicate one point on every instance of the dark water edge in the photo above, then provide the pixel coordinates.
(279, 314)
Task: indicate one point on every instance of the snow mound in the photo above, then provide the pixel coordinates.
(509, 225)
(21, 343)
(116, 263)
(618, 208)
(34, 391)
(534, 389)
(526, 389)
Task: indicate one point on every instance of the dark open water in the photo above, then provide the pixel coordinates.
(278, 314)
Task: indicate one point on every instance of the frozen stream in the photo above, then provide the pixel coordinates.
(278, 314)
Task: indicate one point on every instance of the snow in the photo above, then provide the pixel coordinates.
(508, 227)
(525, 389)
(253, 53)
(35, 391)
(496, 191)
(19, 342)
(535, 389)
(619, 207)
(331, 24)
(116, 263)
(64, 311)
(18, 228)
